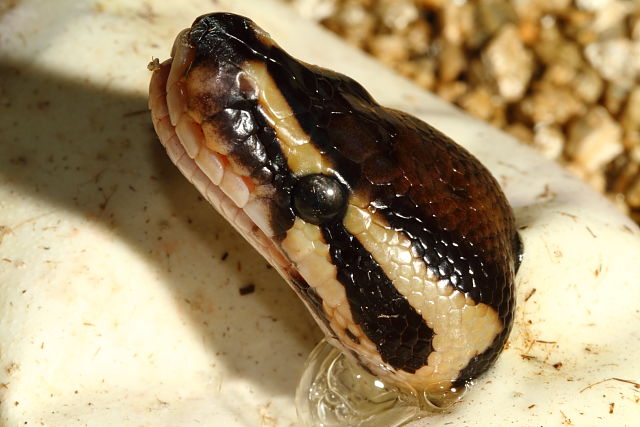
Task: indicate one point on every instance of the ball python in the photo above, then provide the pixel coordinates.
(398, 241)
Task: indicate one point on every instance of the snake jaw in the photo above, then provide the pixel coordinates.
(210, 171)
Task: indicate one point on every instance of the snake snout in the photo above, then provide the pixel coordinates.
(226, 37)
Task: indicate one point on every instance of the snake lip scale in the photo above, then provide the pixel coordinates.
(400, 243)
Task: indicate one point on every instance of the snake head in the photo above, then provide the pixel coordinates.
(398, 240)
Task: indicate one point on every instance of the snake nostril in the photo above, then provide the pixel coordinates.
(319, 198)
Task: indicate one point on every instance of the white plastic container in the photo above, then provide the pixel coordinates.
(120, 298)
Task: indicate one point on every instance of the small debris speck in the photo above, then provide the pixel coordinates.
(530, 294)
(154, 64)
(248, 289)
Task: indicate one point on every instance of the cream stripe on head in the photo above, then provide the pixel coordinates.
(305, 247)
(302, 157)
(462, 329)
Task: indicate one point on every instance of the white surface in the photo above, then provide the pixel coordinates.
(115, 305)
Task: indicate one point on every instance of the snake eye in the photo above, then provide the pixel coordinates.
(319, 198)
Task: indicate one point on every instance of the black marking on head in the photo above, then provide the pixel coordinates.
(319, 198)
(277, 171)
(253, 145)
(401, 335)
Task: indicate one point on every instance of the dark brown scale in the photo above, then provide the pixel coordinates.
(417, 179)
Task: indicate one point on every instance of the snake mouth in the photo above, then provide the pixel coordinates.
(203, 159)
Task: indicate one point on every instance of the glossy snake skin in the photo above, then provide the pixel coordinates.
(400, 243)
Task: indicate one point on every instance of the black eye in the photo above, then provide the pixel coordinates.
(319, 198)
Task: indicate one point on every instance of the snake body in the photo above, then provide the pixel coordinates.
(400, 243)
